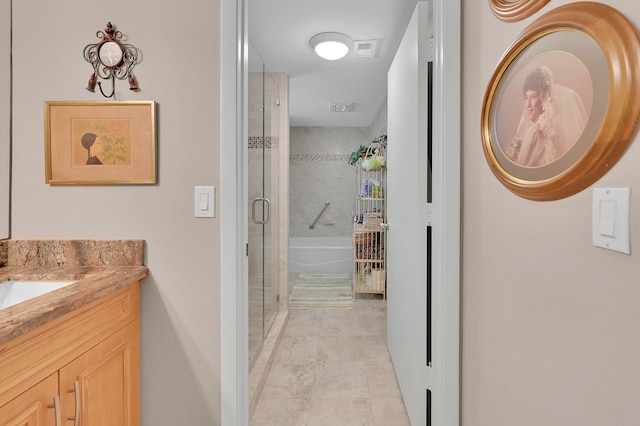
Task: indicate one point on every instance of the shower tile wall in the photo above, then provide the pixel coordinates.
(319, 173)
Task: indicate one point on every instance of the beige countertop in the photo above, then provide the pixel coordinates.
(99, 267)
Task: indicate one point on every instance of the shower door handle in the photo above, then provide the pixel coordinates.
(253, 210)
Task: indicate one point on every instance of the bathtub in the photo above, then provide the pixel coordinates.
(324, 255)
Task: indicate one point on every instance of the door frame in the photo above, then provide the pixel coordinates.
(446, 277)
(234, 333)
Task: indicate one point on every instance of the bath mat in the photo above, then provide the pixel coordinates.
(321, 291)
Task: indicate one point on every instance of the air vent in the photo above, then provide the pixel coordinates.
(365, 48)
(341, 107)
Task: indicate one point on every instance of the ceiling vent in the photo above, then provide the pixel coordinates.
(365, 48)
(341, 107)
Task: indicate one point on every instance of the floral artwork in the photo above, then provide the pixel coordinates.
(101, 142)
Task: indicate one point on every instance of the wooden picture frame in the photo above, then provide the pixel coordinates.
(100, 143)
(516, 10)
(562, 154)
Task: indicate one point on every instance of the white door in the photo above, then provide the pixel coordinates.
(424, 213)
(407, 181)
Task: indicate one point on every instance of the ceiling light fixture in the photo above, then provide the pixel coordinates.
(331, 46)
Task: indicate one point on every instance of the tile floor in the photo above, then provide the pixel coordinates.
(333, 368)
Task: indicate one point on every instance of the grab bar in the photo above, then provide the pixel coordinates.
(318, 218)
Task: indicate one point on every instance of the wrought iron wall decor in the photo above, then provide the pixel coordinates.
(111, 59)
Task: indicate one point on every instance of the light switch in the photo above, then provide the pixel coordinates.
(610, 220)
(204, 201)
(607, 218)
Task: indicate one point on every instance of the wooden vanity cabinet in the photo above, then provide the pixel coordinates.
(100, 383)
(87, 359)
(34, 407)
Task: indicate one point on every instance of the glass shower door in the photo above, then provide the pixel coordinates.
(270, 189)
(263, 202)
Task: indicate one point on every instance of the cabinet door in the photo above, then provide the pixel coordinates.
(102, 386)
(34, 407)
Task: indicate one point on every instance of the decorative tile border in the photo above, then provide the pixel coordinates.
(318, 157)
(263, 142)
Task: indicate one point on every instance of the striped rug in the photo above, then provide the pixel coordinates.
(321, 291)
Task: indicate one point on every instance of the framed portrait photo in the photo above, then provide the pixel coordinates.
(515, 10)
(100, 143)
(560, 108)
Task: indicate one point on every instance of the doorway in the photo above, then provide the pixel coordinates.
(234, 308)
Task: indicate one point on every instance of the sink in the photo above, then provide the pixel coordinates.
(14, 292)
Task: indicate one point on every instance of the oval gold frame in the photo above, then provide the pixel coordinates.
(512, 11)
(620, 44)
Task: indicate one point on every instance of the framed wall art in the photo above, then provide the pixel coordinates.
(515, 10)
(100, 143)
(560, 108)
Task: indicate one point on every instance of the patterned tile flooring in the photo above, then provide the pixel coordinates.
(333, 368)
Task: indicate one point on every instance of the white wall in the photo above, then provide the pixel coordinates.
(549, 322)
(180, 71)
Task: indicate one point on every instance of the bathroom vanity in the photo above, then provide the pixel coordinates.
(71, 356)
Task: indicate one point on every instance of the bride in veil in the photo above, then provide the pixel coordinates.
(553, 119)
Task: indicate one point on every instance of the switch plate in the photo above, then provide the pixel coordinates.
(610, 219)
(204, 201)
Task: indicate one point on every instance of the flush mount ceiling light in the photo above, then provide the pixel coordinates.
(331, 46)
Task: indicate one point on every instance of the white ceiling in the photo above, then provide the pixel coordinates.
(280, 31)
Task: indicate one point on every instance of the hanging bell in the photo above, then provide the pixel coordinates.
(92, 83)
(133, 83)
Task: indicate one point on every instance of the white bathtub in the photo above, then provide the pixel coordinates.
(325, 255)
